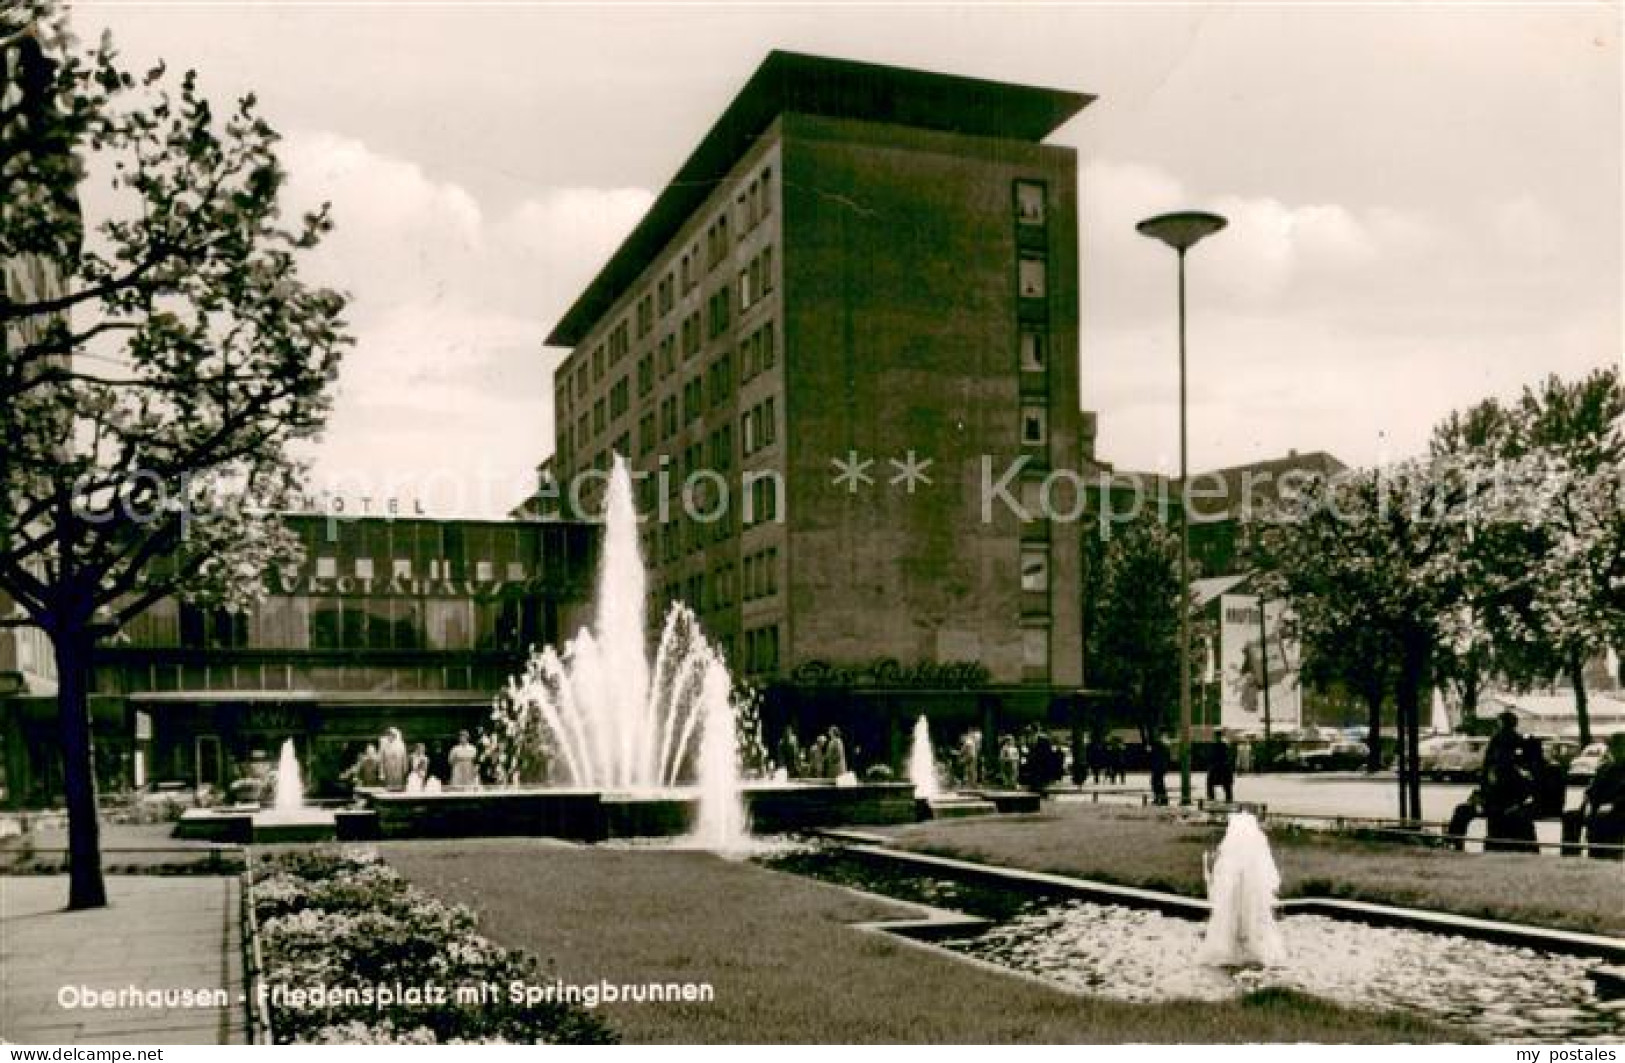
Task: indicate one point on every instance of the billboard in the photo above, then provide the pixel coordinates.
(1255, 658)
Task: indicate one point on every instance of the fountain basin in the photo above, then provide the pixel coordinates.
(598, 815)
(258, 827)
(956, 806)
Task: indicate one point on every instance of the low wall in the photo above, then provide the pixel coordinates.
(577, 815)
(779, 810)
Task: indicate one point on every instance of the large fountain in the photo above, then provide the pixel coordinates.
(608, 718)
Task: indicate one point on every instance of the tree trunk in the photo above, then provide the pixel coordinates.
(1399, 764)
(1373, 730)
(1582, 710)
(1408, 698)
(85, 886)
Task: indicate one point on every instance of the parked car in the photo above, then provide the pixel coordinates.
(1589, 759)
(1427, 753)
(1342, 755)
(1460, 758)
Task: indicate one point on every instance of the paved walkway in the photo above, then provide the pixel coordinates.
(157, 934)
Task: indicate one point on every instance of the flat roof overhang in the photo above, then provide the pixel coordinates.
(824, 87)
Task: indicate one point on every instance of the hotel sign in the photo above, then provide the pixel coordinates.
(890, 672)
(283, 583)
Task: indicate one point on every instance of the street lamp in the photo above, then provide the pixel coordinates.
(1181, 231)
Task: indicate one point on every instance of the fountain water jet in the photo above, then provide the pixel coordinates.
(611, 720)
(922, 763)
(1242, 885)
(290, 787)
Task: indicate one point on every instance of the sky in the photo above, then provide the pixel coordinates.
(1424, 200)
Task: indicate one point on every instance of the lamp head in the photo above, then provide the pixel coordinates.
(1181, 229)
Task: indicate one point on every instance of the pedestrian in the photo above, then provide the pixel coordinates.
(1508, 790)
(789, 752)
(816, 761)
(392, 759)
(1604, 804)
(1221, 770)
(1116, 772)
(1159, 769)
(970, 758)
(1097, 758)
(1009, 762)
(835, 755)
(464, 762)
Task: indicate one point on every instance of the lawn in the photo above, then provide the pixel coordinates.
(787, 966)
(1151, 848)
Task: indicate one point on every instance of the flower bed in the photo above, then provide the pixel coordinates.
(355, 954)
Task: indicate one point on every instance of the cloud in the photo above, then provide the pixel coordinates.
(451, 302)
(1349, 327)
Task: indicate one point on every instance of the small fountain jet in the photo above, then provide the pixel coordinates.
(1242, 883)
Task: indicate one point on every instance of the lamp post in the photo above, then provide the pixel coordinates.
(1181, 231)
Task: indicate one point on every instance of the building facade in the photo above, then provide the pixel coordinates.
(846, 334)
(388, 622)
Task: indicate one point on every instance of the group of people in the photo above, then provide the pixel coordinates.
(1518, 786)
(1101, 757)
(825, 758)
(1030, 759)
(387, 764)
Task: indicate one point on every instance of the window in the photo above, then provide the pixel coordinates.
(1033, 425)
(327, 568)
(1030, 278)
(767, 347)
(598, 362)
(1035, 569)
(516, 571)
(1029, 203)
(721, 379)
(363, 568)
(1034, 358)
(400, 568)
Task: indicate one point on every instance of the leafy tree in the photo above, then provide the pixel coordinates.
(1369, 561)
(154, 379)
(1549, 583)
(1134, 639)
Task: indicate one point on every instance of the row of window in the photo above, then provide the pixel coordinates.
(299, 622)
(1032, 288)
(758, 426)
(757, 353)
(762, 650)
(762, 574)
(402, 569)
(756, 279)
(753, 204)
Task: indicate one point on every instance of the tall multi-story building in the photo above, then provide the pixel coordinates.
(848, 328)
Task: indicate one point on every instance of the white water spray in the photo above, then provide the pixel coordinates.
(290, 787)
(1241, 887)
(613, 720)
(922, 762)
